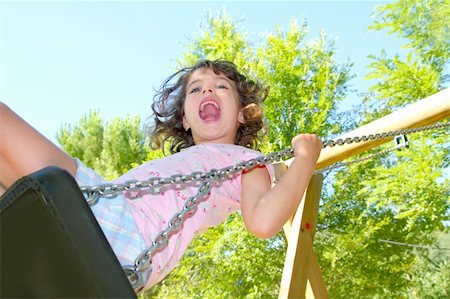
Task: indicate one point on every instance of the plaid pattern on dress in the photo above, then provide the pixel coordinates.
(115, 218)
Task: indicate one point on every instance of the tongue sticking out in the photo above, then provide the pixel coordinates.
(210, 113)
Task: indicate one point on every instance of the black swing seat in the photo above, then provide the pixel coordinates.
(51, 245)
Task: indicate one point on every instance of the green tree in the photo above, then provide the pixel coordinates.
(124, 146)
(401, 197)
(82, 140)
(423, 71)
(398, 198)
(305, 85)
(219, 38)
(226, 262)
(109, 148)
(433, 264)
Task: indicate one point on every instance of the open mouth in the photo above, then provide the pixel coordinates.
(209, 110)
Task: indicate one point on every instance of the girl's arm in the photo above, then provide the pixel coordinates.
(266, 210)
(23, 150)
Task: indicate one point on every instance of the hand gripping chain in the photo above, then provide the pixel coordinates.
(143, 262)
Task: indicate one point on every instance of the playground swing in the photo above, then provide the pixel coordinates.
(67, 253)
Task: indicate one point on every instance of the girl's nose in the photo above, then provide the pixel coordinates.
(207, 89)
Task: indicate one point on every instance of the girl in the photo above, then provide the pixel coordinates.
(210, 117)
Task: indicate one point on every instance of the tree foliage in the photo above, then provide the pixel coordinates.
(400, 198)
(375, 213)
(424, 24)
(219, 38)
(433, 264)
(83, 140)
(226, 262)
(110, 148)
(423, 69)
(305, 84)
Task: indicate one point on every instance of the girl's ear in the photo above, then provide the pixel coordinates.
(185, 123)
(241, 118)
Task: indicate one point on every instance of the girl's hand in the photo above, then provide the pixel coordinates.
(307, 146)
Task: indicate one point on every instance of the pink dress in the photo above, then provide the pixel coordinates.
(152, 212)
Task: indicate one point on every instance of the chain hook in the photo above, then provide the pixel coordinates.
(92, 198)
(134, 277)
(401, 142)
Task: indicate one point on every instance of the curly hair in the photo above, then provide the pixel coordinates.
(168, 107)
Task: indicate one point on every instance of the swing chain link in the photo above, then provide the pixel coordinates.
(143, 262)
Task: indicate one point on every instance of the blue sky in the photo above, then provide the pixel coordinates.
(61, 59)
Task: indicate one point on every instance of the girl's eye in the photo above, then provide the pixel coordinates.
(222, 86)
(195, 89)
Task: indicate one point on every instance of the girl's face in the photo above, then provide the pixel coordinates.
(211, 109)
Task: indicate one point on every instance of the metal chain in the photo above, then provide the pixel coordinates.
(370, 137)
(143, 261)
(400, 142)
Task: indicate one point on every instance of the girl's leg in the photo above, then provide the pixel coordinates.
(23, 150)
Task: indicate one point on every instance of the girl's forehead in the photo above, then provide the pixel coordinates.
(206, 72)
